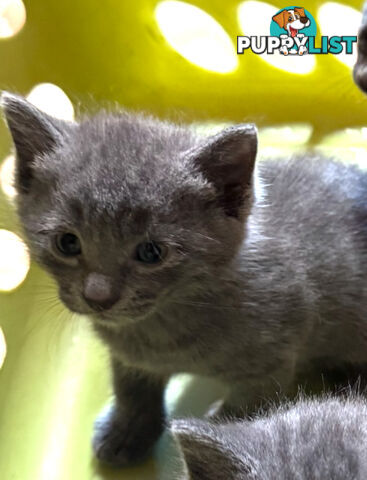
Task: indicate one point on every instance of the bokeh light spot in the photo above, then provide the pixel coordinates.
(254, 19)
(53, 100)
(348, 145)
(336, 19)
(2, 348)
(12, 17)
(196, 36)
(7, 172)
(14, 261)
(284, 140)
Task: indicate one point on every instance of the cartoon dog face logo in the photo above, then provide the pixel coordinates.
(292, 20)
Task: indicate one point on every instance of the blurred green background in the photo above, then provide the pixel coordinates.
(177, 60)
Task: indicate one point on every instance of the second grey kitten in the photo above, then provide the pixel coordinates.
(182, 266)
(310, 440)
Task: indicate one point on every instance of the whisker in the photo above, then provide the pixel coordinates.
(209, 305)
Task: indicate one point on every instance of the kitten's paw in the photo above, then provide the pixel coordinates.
(119, 440)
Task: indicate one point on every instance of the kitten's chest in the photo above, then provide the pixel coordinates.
(164, 354)
(166, 349)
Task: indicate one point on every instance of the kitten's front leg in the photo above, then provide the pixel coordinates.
(126, 431)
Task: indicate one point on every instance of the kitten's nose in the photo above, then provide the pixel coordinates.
(99, 291)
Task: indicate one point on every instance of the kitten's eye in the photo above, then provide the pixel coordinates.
(68, 244)
(150, 252)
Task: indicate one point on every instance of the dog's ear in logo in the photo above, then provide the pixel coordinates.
(282, 18)
(302, 16)
(300, 11)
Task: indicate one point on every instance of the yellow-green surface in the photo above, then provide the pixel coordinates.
(54, 381)
(55, 377)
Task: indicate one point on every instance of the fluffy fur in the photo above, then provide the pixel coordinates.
(314, 439)
(253, 290)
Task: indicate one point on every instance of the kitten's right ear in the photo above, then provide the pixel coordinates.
(208, 452)
(34, 133)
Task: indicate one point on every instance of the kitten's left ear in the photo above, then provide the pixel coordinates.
(227, 160)
(208, 455)
(33, 132)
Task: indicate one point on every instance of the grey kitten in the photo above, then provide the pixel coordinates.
(184, 263)
(311, 440)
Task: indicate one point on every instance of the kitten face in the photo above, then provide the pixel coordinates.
(111, 210)
(122, 209)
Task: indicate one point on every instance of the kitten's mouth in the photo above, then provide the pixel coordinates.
(118, 314)
(123, 316)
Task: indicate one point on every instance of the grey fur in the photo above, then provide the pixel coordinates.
(360, 68)
(311, 440)
(257, 287)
